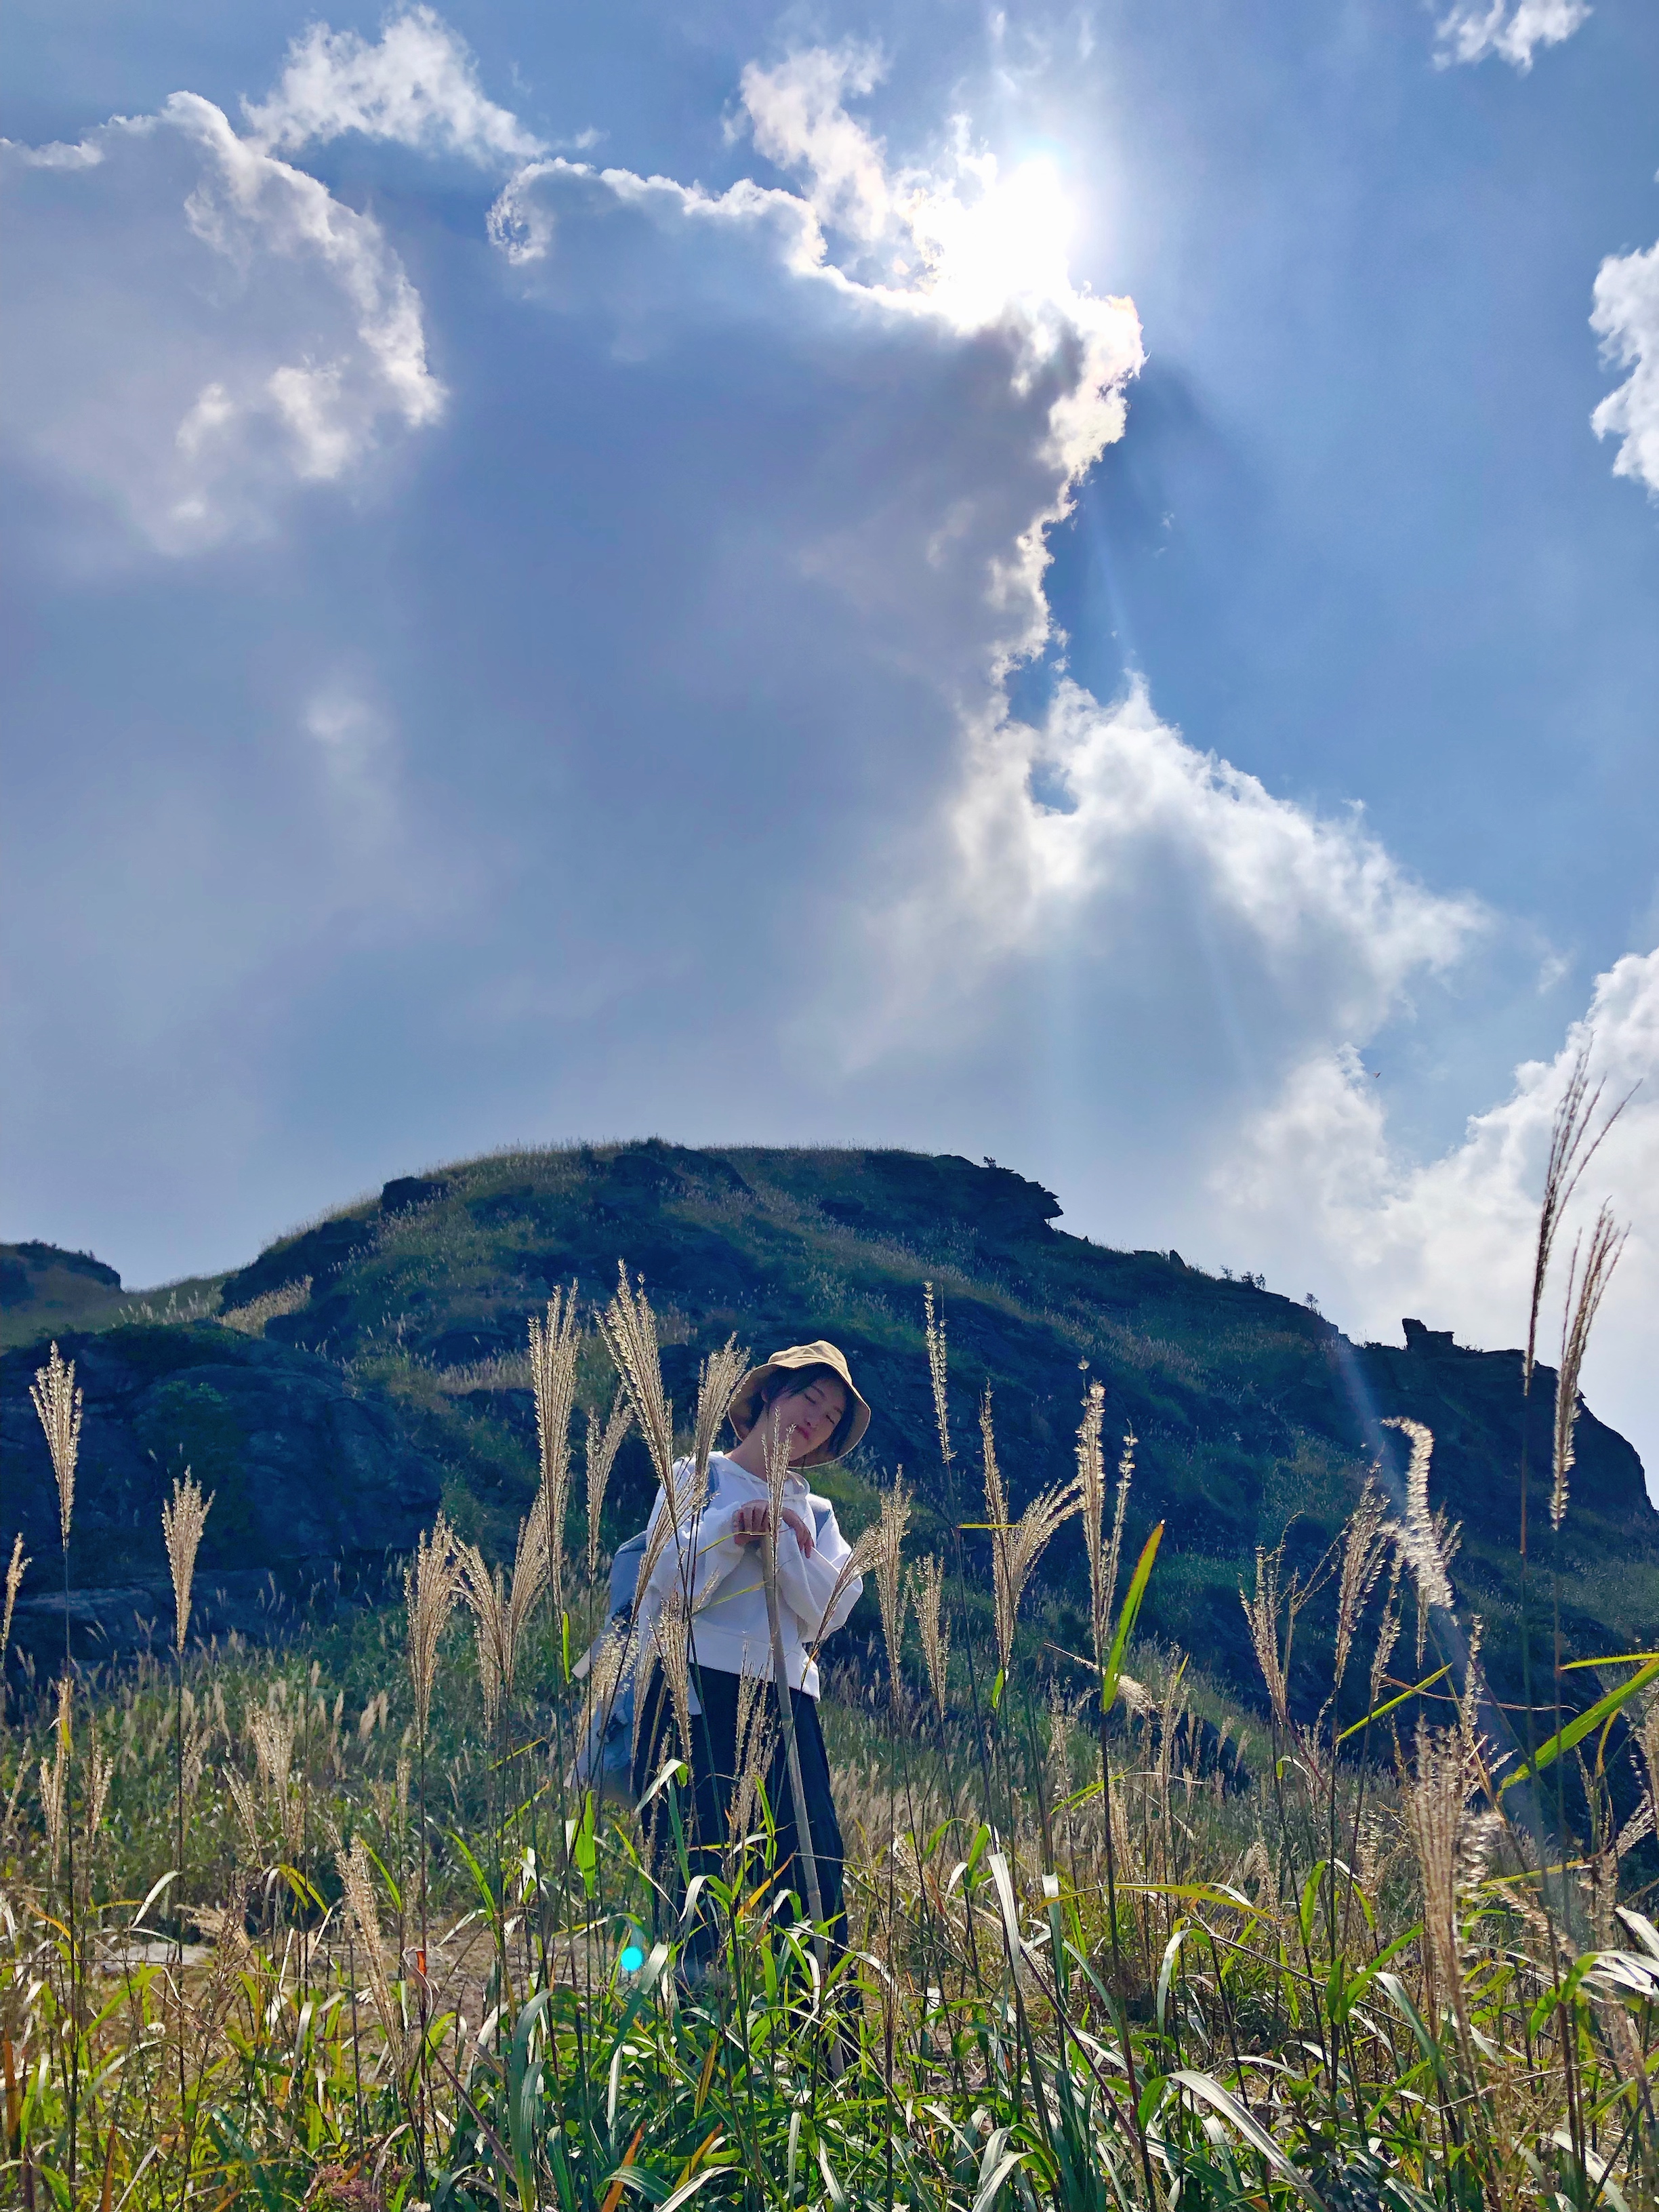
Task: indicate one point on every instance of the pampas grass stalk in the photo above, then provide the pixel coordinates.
(431, 1585)
(600, 1456)
(927, 1596)
(17, 1568)
(58, 1404)
(890, 1587)
(184, 1516)
(554, 1345)
(1016, 1546)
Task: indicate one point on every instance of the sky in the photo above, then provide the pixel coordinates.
(1075, 584)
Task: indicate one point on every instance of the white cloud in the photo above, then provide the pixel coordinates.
(1142, 853)
(964, 248)
(418, 87)
(1626, 314)
(1512, 29)
(196, 327)
(1316, 1186)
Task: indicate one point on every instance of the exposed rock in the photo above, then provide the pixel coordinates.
(305, 1475)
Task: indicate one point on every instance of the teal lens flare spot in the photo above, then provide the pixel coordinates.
(632, 1960)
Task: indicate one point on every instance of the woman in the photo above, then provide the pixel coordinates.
(804, 1395)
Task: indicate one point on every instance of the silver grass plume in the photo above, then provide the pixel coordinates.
(1420, 1537)
(1387, 1631)
(1016, 1546)
(717, 1383)
(357, 1881)
(184, 1516)
(1607, 1242)
(600, 1456)
(554, 1344)
(501, 1609)
(1434, 1797)
(889, 1589)
(57, 1402)
(1126, 1476)
(16, 1569)
(100, 1771)
(431, 1584)
(629, 1329)
(755, 1738)
(1091, 1485)
(864, 1557)
(936, 1371)
(927, 1595)
(1261, 1614)
(1362, 1555)
(671, 1638)
(1571, 1149)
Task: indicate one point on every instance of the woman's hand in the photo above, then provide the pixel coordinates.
(750, 1524)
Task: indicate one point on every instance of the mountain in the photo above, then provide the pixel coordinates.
(400, 1369)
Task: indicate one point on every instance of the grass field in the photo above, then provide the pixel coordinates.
(329, 1924)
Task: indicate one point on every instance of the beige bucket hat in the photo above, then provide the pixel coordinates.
(745, 1406)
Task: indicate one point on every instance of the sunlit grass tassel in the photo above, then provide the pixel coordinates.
(600, 1456)
(889, 1589)
(927, 1596)
(1607, 1242)
(554, 1344)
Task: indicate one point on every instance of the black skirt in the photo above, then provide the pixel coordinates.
(705, 1808)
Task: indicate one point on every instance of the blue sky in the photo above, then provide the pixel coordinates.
(1037, 582)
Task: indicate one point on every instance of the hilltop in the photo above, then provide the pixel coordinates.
(331, 1428)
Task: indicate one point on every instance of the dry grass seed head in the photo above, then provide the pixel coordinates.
(1571, 1149)
(937, 1372)
(1262, 1614)
(431, 1584)
(15, 1570)
(671, 1637)
(889, 1589)
(927, 1596)
(1126, 1476)
(1387, 1631)
(1017, 1547)
(600, 1456)
(554, 1346)
(500, 1609)
(1433, 1796)
(755, 1738)
(184, 1516)
(1363, 1552)
(629, 1329)
(718, 1378)
(357, 1882)
(1578, 1319)
(58, 1403)
(1422, 1535)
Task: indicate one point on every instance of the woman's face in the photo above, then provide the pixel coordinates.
(814, 1414)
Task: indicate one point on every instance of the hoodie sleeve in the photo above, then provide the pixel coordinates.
(806, 1585)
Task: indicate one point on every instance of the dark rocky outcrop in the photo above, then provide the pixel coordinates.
(307, 1476)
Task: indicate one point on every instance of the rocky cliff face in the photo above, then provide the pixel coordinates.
(311, 1481)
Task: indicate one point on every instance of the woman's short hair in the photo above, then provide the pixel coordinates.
(788, 1381)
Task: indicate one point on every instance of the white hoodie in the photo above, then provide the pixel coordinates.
(729, 1627)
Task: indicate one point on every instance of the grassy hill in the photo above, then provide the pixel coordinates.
(1252, 1413)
